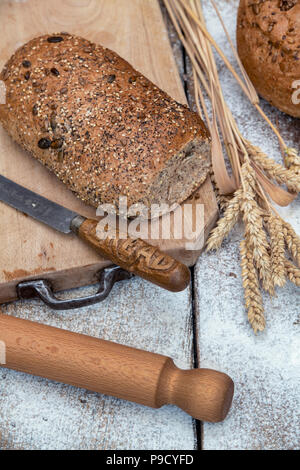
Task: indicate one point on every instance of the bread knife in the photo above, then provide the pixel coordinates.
(132, 254)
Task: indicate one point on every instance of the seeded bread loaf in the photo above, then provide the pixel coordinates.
(268, 40)
(102, 127)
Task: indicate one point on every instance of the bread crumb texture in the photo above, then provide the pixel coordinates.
(102, 127)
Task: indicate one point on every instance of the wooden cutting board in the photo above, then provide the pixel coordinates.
(134, 29)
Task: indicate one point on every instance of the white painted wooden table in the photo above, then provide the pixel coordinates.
(38, 414)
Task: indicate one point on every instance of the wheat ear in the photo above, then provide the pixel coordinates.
(254, 229)
(253, 298)
(277, 243)
(226, 223)
(274, 170)
(292, 160)
(293, 273)
(292, 241)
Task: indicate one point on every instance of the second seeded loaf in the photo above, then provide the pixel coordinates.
(102, 127)
(268, 41)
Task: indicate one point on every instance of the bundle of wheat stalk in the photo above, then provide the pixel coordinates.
(270, 250)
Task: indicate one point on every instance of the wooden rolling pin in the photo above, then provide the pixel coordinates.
(110, 368)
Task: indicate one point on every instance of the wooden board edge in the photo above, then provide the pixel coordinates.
(59, 280)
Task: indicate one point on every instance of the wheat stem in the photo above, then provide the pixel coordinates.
(252, 187)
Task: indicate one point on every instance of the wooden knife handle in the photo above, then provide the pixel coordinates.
(110, 368)
(137, 256)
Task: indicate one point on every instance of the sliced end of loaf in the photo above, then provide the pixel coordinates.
(185, 172)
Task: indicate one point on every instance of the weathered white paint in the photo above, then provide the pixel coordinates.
(266, 368)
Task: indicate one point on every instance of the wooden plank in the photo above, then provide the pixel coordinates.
(47, 252)
(265, 368)
(38, 414)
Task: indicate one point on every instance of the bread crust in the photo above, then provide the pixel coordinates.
(268, 40)
(102, 127)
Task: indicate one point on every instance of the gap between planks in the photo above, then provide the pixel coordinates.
(182, 64)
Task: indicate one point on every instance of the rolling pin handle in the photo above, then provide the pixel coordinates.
(205, 394)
